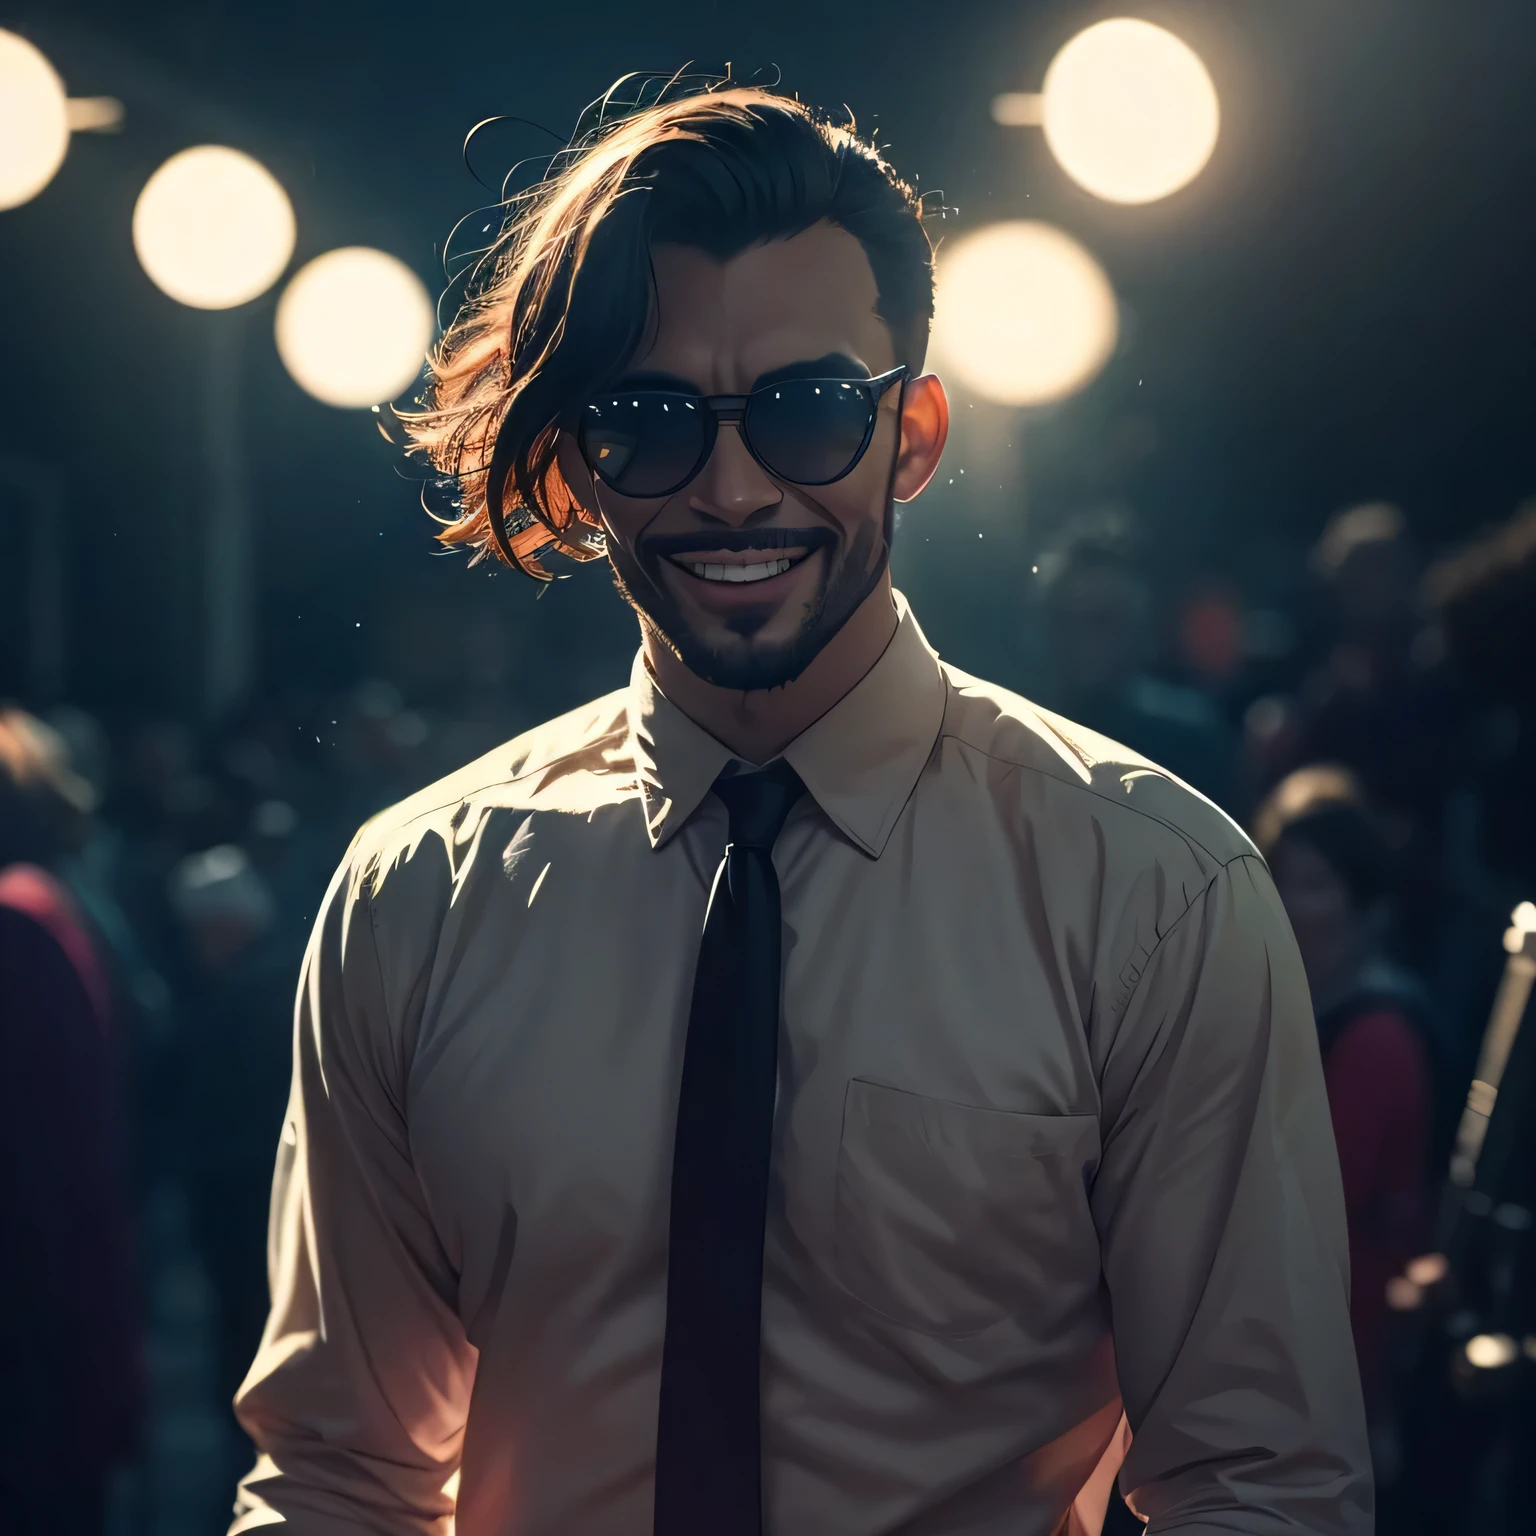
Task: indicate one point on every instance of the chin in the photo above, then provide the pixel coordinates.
(734, 661)
(761, 647)
(750, 668)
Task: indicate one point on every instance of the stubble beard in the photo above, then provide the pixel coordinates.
(746, 665)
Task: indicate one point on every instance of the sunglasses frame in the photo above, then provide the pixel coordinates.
(734, 408)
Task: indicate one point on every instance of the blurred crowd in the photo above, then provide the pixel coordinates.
(157, 883)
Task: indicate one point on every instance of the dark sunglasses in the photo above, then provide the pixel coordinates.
(651, 442)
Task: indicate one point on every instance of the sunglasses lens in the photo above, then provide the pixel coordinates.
(810, 430)
(643, 444)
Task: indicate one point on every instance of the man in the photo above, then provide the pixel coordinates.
(855, 1180)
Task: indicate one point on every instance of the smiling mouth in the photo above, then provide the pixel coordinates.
(739, 571)
(738, 557)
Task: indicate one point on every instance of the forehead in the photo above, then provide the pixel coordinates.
(721, 324)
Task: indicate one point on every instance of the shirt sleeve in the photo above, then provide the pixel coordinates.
(359, 1392)
(1222, 1231)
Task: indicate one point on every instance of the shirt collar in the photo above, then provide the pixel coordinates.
(860, 761)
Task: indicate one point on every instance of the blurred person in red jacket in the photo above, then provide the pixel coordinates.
(70, 1383)
(1332, 869)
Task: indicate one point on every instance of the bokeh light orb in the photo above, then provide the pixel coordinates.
(354, 325)
(1491, 1351)
(34, 125)
(1023, 314)
(213, 228)
(1130, 111)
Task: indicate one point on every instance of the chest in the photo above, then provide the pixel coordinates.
(930, 1048)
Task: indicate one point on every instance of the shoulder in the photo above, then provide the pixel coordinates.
(1087, 778)
(45, 901)
(380, 924)
(29, 889)
(579, 757)
(43, 952)
(26, 906)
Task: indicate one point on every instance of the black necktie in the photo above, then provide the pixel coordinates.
(708, 1442)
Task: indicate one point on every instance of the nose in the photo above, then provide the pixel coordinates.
(733, 487)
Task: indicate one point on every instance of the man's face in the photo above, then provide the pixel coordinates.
(802, 307)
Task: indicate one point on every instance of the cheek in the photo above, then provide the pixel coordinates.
(621, 517)
(625, 520)
(860, 497)
(849, 510)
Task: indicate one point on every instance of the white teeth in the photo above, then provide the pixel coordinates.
(759, 572)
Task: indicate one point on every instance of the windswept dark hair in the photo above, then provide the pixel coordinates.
(568, 296)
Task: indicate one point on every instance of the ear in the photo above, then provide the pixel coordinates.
(924, 429)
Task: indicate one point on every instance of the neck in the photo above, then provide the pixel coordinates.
(757, 726)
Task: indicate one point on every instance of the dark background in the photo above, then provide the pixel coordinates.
(1339, 308)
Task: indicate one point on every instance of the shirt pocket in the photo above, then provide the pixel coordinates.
(951, 1218)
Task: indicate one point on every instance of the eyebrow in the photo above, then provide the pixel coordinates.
(656, 380)
(835, 365)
